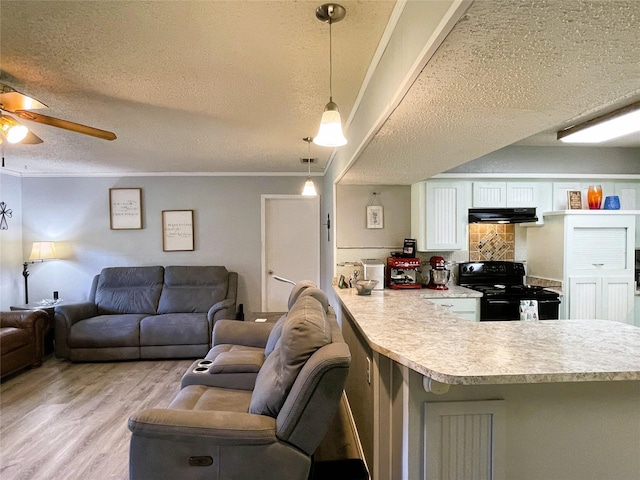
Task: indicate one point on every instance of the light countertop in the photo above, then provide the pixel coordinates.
(406, 327)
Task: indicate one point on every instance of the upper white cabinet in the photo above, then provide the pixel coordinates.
(494, 194)
(592, 253)
(439, 215)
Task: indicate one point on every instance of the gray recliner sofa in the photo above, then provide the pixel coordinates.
(239, 349)
(146, 312)
(270, 432)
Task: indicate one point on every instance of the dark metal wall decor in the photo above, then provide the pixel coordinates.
(5, 213)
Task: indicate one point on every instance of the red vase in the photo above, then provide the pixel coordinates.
(594, 197)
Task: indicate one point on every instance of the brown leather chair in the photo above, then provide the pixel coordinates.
(21, 340)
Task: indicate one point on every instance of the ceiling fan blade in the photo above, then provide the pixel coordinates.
(31, 139)
(65, 124)
(12, 100)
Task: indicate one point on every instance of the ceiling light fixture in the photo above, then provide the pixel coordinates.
(330, 131)
(309, 189)
(606, 127)
(12, 130)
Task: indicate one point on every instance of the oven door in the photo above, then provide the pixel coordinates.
(508, 309)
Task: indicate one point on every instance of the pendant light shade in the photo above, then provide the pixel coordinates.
(330, 131)
(309, 189)
(12, 130)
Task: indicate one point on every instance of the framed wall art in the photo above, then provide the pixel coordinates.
(574, 199)
(125, 208)
(375, 217)
(177, 230)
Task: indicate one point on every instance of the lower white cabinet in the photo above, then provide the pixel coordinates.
(598, 297)
(467, 308)
(592, 254)
(464, 440)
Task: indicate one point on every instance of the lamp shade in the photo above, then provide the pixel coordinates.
(330, 131)
(11, 129)
(309, 189)
(43, 251)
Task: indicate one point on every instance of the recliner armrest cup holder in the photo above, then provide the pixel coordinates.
(202, 366)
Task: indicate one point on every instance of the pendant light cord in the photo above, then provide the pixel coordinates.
(330, 62)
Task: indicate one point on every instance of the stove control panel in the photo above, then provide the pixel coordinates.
(491, 268)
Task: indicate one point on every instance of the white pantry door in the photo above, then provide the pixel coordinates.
(290, 246)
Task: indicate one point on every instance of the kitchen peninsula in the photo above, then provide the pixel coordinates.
(437, 396)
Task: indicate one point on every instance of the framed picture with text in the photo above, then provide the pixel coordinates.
(574, 199)
(177, 230)
(125, 208)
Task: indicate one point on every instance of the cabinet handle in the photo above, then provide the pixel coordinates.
(446, 305)
(597, 264)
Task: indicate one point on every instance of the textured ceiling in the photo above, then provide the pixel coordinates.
(234, 86)
(187, 86)
(508, 71)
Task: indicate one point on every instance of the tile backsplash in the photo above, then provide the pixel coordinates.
(491, 242)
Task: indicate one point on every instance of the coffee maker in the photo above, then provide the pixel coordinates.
(439, 275)
(402, 272)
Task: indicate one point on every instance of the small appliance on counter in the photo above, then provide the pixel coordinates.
(373, 269)
(439, 275)
(402, 272)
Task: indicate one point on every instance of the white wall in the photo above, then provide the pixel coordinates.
(560, 160)
(75, 213)
(351, 222)
(11, 257)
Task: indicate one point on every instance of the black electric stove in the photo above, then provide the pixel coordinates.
(503, 288)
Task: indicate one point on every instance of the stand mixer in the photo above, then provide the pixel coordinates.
(439, 275)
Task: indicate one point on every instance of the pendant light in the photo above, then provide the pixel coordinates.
(330, 131)
(309, 189)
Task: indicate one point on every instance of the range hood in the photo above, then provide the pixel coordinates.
(502, 215)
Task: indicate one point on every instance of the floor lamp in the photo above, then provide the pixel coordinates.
(40, 252)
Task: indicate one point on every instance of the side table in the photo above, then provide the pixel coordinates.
(49, 331)
(271, 317)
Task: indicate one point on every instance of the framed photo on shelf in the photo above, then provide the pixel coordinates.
(574, 200)
(177, 230)
(125, 208)
(375, 217)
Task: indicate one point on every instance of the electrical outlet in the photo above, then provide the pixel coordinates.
(368, 370)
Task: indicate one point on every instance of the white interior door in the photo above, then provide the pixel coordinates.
(290, 246)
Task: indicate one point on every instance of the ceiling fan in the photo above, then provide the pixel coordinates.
(19, 104)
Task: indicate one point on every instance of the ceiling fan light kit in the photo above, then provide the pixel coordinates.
(618, 123)
(18, 104)
(330, 132)
(13, 131)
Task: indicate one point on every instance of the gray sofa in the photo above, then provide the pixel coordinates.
(146, 312)
(268, 432)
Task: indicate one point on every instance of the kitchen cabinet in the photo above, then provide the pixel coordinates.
(494, 194)
(629, 193)
(592, 253)
(467, 308)
(439, 215)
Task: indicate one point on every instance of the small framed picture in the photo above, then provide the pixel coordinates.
(125, 208)
(574, 199)
(177, 230)
(375, 217)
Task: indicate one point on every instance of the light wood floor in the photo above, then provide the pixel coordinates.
(69, 421)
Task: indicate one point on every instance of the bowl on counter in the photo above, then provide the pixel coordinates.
(364, 287)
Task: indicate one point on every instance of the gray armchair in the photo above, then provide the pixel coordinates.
(239, 349)
(268, 433)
